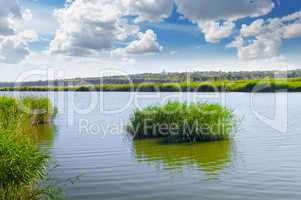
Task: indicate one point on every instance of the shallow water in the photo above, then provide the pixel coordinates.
(262, 161)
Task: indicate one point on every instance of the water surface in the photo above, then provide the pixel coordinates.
(260, 162)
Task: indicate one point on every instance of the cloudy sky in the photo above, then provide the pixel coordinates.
(83, 38)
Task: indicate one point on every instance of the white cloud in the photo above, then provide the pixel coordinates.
(95, 26)
(262, 39)
(145, 44)
(149, 10)
(263, 47)
(252, 29)
(215, 17)
(215, 31)
(292, 31)
(90, 26)
(42, 21)
(13, 48)
(14, 43)
(10, 11)
(232, 10)
(5, 27)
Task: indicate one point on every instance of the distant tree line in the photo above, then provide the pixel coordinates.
(162, 78)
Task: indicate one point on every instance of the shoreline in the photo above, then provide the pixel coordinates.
(158, 91)
(255, 86)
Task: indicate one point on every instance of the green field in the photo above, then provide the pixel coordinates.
(263, 85)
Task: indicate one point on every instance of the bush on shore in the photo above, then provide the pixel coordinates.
(183, 122)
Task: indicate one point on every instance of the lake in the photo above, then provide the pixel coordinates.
(261, 161)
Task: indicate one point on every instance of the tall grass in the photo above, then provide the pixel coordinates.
(15, 112)
(22, 164)
(10, 115)
(40, 110)
(183, 122)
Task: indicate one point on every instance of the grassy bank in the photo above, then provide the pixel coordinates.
(182, 122)
(265, 85)
(22, 164)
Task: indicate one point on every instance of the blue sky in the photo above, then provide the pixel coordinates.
(81, 39)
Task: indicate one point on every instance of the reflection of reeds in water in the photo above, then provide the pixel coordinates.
(210, 158)
(41, 134)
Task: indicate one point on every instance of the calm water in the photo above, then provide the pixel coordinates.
(260, 162)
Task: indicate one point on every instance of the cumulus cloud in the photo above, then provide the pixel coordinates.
(14, 48)
(87, 27)
(262, 39)
(216, 18)
(215, 31)
(197, 10)
(95, 26)
(90, 26)
(149, 10)
(10, 12)
(145, 44)
(14, 44)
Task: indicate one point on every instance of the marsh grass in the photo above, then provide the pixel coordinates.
(256, 85)
(10, 115)
(39, 110)
(182, 122)
(14, 112)
(22, 164)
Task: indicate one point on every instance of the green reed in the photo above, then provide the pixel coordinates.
(22, 164)
(183, 122)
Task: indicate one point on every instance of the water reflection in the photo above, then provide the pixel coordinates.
(42, 134)
(210, 157)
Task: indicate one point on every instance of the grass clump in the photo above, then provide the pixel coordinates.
(40, 110)
(183, 122)
(22, 164)
(14, 112)
(10, 115)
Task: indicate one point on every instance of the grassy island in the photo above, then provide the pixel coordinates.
(22, 163)
(183, 122)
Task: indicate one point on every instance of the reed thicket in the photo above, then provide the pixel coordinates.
(22, 164)
(183, 122)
